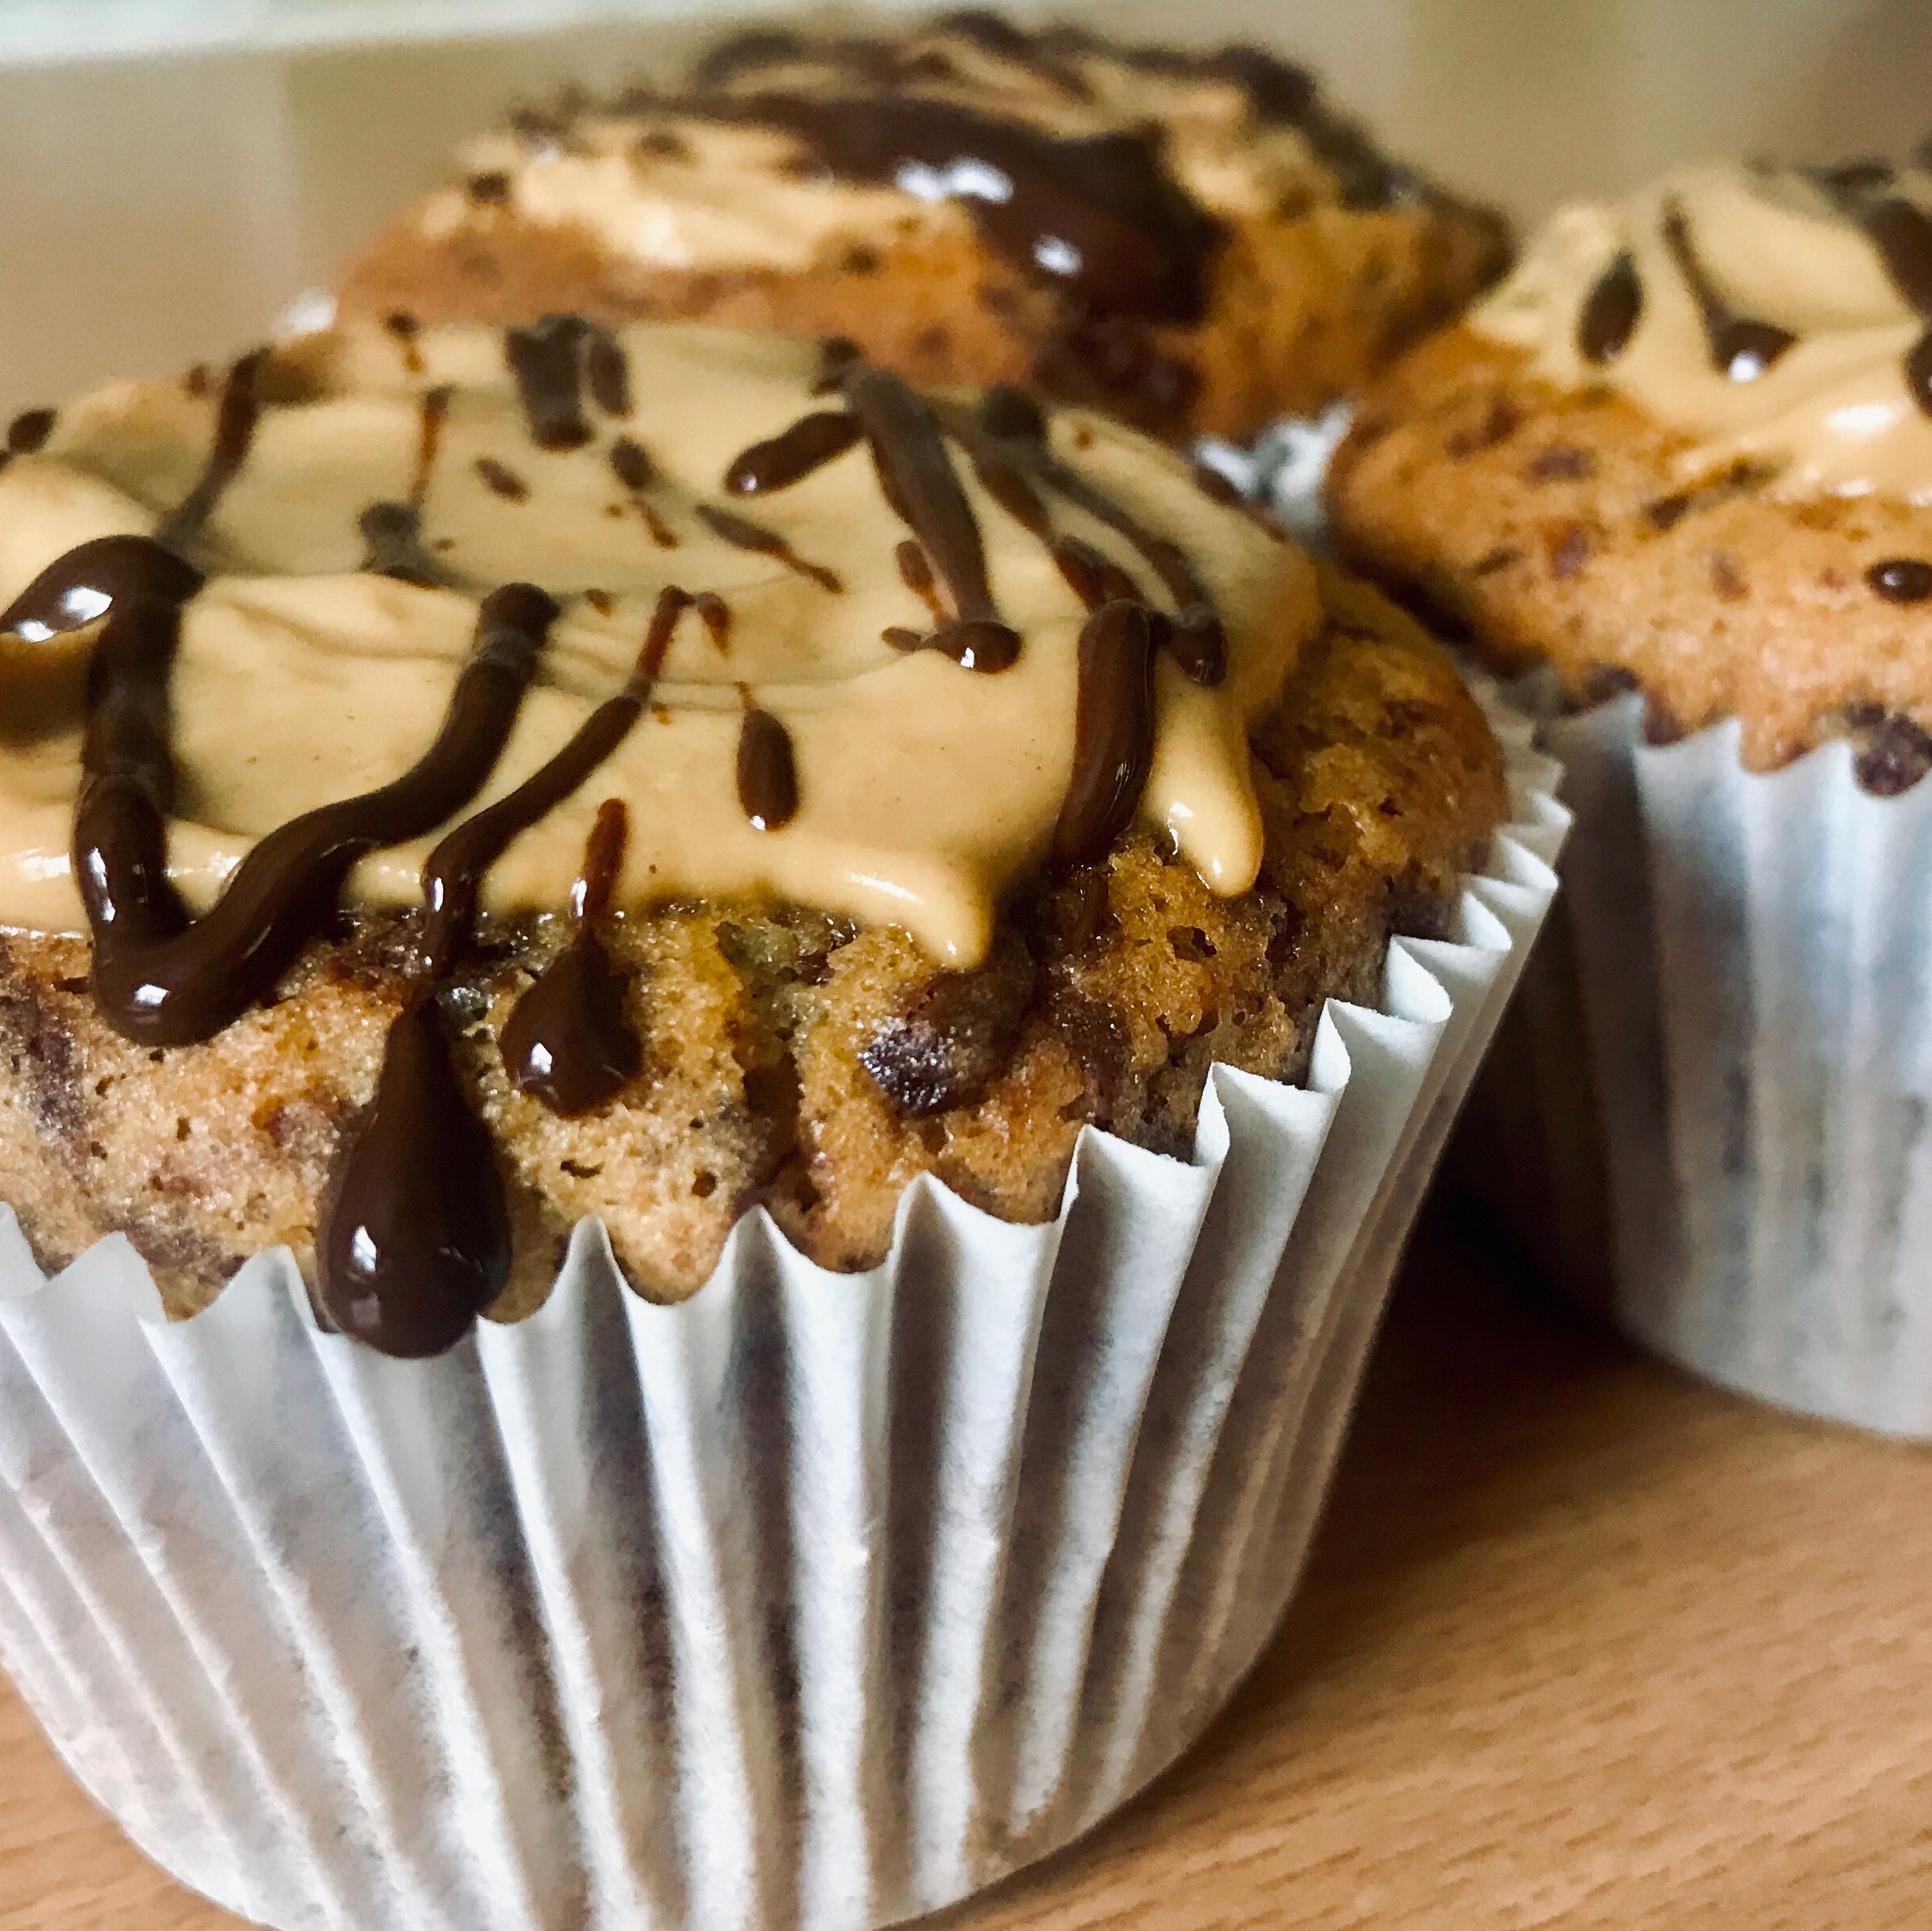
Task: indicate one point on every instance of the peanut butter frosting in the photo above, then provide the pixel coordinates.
(1783, 318)
(895, 652)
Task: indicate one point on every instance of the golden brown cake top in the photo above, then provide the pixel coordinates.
(1784, 318)
(1105, 171)
(890, 653)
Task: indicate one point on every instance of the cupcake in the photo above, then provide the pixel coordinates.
(650, 991)
(1197, 242)
(1681, 459)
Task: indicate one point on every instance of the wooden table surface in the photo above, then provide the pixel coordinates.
(1583, 1644)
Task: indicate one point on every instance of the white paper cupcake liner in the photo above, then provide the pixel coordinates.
(818, 1601)
(1743, 1014)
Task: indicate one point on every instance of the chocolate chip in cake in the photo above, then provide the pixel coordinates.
(1900, 580)
(1563, 462)
(1500, 421)
(1569, 551)
(1897, 753)
(491, 189)
(1661, 726)
(956, 1036)
(1726, 579)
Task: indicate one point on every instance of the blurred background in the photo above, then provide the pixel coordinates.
(174, 171)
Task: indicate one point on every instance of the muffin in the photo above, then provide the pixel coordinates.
(1683, 454)
(499, 819)
(1195, 241)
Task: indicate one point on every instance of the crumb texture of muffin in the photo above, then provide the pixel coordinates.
(997, 777)
(1686, 447)
(1196, 242)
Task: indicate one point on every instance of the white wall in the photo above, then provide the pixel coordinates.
(160, 208)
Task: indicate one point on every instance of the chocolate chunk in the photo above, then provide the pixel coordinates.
(1569, 551)
(1500, 420)
(1896, 754)
(1900, 580)
(956, 1036)
(1563, 462)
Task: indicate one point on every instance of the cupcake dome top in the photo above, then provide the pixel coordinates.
(1782, 318)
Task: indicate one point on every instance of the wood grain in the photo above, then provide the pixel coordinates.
(1583, 1644)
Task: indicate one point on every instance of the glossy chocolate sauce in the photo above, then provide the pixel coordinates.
(809, 444)
(916, 472)
(1098, 216)
(75, 590)
(1741, 347)
(162, 979)
(414, 1241)
(569, 1042)
(1113, 731)
(1611, 313)
(767, 775)
(1902, 232)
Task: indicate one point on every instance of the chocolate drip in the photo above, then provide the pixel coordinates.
(743, 534)
(406, 329)
(635, 470)
(607, 370)
(1011, 414)
(715, 614)
(1902, 233)
(162, 979)
(501, 480)
(1741, 348)
(1612, 312)
(1098, 216)
(916, 472)
(235, 416)
(836, 355)
(916, 573)
(453, 873)
(1008, 486)
(569, 1042)
(552, 360)
(1113, 731)
(392, 539)
(789, 457)
(432, 413)
(1195, 637)
(767, 775)
(414, 1242)
(27, 434)
(1096, 580)
(74, 590)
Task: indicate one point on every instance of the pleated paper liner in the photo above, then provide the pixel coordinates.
(1726, 1061)
(818, 1601)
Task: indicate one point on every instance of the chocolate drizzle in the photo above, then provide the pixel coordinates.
(809, 444)
(569, 1042)
(743, 534)
(552, 361)
(1611, 313)
(392, 532)
(632, 465)
(1113, 731)
(235, 416)
(767, 775)
(162, 979)
(75, 590)
(414, 1242)
(1902, 233)
(909, 452)
(1741, 347)
(1098, 216)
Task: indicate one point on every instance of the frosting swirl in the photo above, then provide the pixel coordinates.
(870, 690)
(1783, 318)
